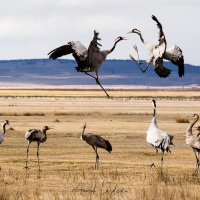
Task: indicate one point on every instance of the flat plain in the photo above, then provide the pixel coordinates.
(67, 162)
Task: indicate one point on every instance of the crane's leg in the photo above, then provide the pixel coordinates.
(197, 163)
(162, 160)
(153, 165)
(27, 151)
(97, 159)
(98, 83)
(139, 63)
(38, 146)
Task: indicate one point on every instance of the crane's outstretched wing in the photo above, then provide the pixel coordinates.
(161, 47)
(162, 71)
(93, 48)
(60, 51)
(174, 54)
(76, 48)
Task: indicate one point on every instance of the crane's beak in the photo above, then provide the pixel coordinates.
(129, 32)
(197, 128)
(51, 127)
(125, 38)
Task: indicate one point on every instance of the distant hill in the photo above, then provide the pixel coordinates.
(112, 72)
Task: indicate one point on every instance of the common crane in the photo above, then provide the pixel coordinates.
(88, 60)
(95, 141)
(158, 138)
(159, 52)
(36, 135)
(193, 141)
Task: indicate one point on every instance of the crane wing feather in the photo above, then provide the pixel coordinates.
(174, 54)
(98, 141)
(93, 48)
(159, 68)
(60, 51)
(33, 134)
(76, 48)
(161, 47)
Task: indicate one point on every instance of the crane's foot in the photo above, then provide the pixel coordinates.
(26, 167)
(152, 165)
(109, 97)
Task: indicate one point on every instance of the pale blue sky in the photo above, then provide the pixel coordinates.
(31, 28)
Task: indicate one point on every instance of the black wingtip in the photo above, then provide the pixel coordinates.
(109, 146)
(181, 70)
(52, 57)
(154, 18)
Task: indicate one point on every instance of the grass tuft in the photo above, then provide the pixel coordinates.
(182, 119)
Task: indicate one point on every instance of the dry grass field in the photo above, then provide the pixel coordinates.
(67, 163)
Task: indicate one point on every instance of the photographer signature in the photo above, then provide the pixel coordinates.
(104, 188)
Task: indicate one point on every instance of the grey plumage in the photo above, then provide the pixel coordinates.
(193, 141)
(36, 135)
(158, 138)
(88, 60)
(96, 141)
(159, 52)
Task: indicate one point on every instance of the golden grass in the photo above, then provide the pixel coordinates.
(182, 119)
(97, 93)
(67, 163)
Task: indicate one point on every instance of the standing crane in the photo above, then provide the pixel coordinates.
(159, 52)
(193, 141)
(96, 142)
(158, 138)
(6, 122)
(88, 60)
(36, 135)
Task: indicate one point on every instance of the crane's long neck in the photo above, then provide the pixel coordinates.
(189, 129)
(82, 134)
(154, 112)
(113, 47)
(4, 128)
(44, 136)
(154, 121)
(141, 38)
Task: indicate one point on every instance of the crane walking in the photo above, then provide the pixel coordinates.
(193, 141)
(88, 60)
(159, 52)
(36, 135)
(95, 141)
(158, 138)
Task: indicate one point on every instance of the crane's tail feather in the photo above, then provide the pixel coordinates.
(109, 146)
